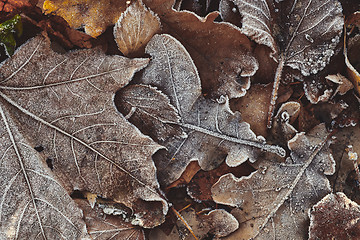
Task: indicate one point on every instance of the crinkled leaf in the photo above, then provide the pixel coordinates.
(273, 201)
(306, 32)
(213, 131)
(103, 226)
(94, 15)
(64, 105)
(33, 204)
(220, 52)
(218, 223)
(135, 28)
(335, 217)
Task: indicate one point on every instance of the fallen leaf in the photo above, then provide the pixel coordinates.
(199, 188)
(352, 72)
(273, 201)
(103, 226)
(95, 16)
(10, 8)
(191, 170)
(65, 108)
(135, 28)
(344, 85)
(33, 202)
(301, 34)
(7, 30)
(218, 223)
(335, 217)
(220, 52)
(317, 91)
(212, 130)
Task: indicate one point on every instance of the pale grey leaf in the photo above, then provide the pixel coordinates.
(272, 203)
(33, 204)
(64, 103)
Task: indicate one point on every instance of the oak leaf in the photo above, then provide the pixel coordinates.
(301, 34)
(335, 217)
(208, 131)
(220, 52)
(273, 201)
(64, 105)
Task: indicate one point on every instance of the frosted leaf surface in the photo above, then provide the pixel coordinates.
(64, 103)
(273, 201)
(306, 32)
(212, 132)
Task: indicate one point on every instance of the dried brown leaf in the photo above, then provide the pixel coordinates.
(212, 130)
(220, 52)
(218, 222)
(103, 226)
(273, 201)
(94, 15)
(65, 106)
(344, 84)
(335, 217)
(33, 203)
(352, 72)
(135, 28)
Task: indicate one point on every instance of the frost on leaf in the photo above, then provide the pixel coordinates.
(64, 103)
(306, 32)
(217, 223)
(211, 130)
(103, 226)
(94, 15)
(135, 28)
(273, 201)
(301, 34)
(335, 217)
(220, 52)
(33, 204)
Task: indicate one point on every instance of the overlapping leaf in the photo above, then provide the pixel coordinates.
(212, 130)
(64, 105)
(220, 52)
(273, 201)
(33, 204)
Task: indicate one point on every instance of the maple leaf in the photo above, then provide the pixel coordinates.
(211, 130)
(338, 213)
(220, 52)
(63, 104)
(273, 201)
(301, 34)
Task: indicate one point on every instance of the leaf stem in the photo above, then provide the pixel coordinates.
(274, 94)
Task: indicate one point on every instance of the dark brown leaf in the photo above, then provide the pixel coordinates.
(335, 217)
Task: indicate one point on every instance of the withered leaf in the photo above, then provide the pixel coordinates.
(220, 52)
(218, 222)
(33, 204)
(301, 34)
(64, 104)
(135, 28)
(273, 201)
(335, 217)
(344, 84)
(103, 226)
(213, 131)
(94, 15)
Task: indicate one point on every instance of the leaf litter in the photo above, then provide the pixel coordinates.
(181, 99)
